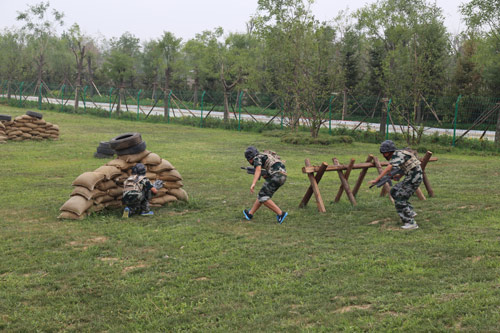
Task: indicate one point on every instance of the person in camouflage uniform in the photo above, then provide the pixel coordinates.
(137, 191)
(276, 177)
(401, 192)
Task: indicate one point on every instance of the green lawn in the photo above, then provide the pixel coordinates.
(201, 267)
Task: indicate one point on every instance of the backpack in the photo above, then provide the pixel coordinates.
(133, 190)
(272, 158)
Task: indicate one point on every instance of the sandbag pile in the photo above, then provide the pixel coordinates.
(3, 133)
(30, 126)
(103, 187)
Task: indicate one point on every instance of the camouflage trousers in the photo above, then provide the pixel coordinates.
(401, 193)
(271, 185)
(137, 202)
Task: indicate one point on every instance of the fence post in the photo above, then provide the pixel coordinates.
(239, 111)
(387, 121)
(201, 116)
(84, 97)
(62, 97)
(138, 102)
(168, 106)
(455, 120)
(40, 97)
(21, 95)
(330, 115)
(110, 107)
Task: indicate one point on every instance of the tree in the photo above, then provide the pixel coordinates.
(416, 47)
(168, 50)
(298, 54)
(11, 57)
(77, 43)
(122, 62)
(39, 29)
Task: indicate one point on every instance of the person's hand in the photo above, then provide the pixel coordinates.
(372, 182)
(397, 177)
(252, 188)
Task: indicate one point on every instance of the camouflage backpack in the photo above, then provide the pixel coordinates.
(133, 190)
(272, 158)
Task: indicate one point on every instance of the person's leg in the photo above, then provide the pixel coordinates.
(255, 207)
(272, 206)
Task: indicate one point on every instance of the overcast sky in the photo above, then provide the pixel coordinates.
(147, 19)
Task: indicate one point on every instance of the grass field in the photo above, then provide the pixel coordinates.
(201, 267)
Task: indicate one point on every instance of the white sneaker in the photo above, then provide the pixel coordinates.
(410, 226)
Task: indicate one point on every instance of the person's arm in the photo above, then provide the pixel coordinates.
(385, 172)
(256, 177)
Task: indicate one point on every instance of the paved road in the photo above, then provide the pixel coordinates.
(490, 135)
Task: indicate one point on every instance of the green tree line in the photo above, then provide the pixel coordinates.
(391, 49)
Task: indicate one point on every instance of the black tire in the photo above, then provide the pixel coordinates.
(104, 144)
(105, 151)
(99, 155)
(132, 150)
(34, 114)
(5, 117)
(125, 141)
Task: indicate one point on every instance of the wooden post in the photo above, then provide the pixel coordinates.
(344, 182)
(314, 188)
(427, 184)
(386, 188)
(361, 177)
(347, 174)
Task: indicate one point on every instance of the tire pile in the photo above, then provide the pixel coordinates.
(30, 126)
(103, 188)
(104, 150)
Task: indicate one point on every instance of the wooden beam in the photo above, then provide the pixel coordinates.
(361, 177)
(309, 191)
(427, 183)
(378, 165)
(309, 169)
(315, 188)
(345, 184)
(346, 175)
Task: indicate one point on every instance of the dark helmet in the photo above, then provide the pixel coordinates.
(387, 146)
(251, 152)
(139, 169)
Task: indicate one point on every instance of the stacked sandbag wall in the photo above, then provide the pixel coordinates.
(3, 133)
(103, 187)
(28, 127)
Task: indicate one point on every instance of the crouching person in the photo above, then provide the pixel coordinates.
(276, 177)
(402, 191)
(137, 191)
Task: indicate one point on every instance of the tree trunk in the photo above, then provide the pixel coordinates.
(90, 76)
(195, 98)
(497, 132)
(226, 105)
(167, 90)
(119, 102)
(344, 106)
(383, 117)
(9, 91)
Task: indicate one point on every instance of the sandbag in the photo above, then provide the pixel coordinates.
(86, 193)
(151, 175)
(151, 159)
(105, 185)
(179, 193)
(76, 204)
(134, 158)
(120, 164)
(70, 216)
(103, 199)
(108, 171)
(170, 185)
(163, 166)
(115, 191)
(88, 179)
(163, 199)
(171, 176)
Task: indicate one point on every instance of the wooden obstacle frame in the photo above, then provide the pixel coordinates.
(315, 174)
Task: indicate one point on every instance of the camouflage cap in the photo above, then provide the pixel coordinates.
(251, 152)
(387, 146)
